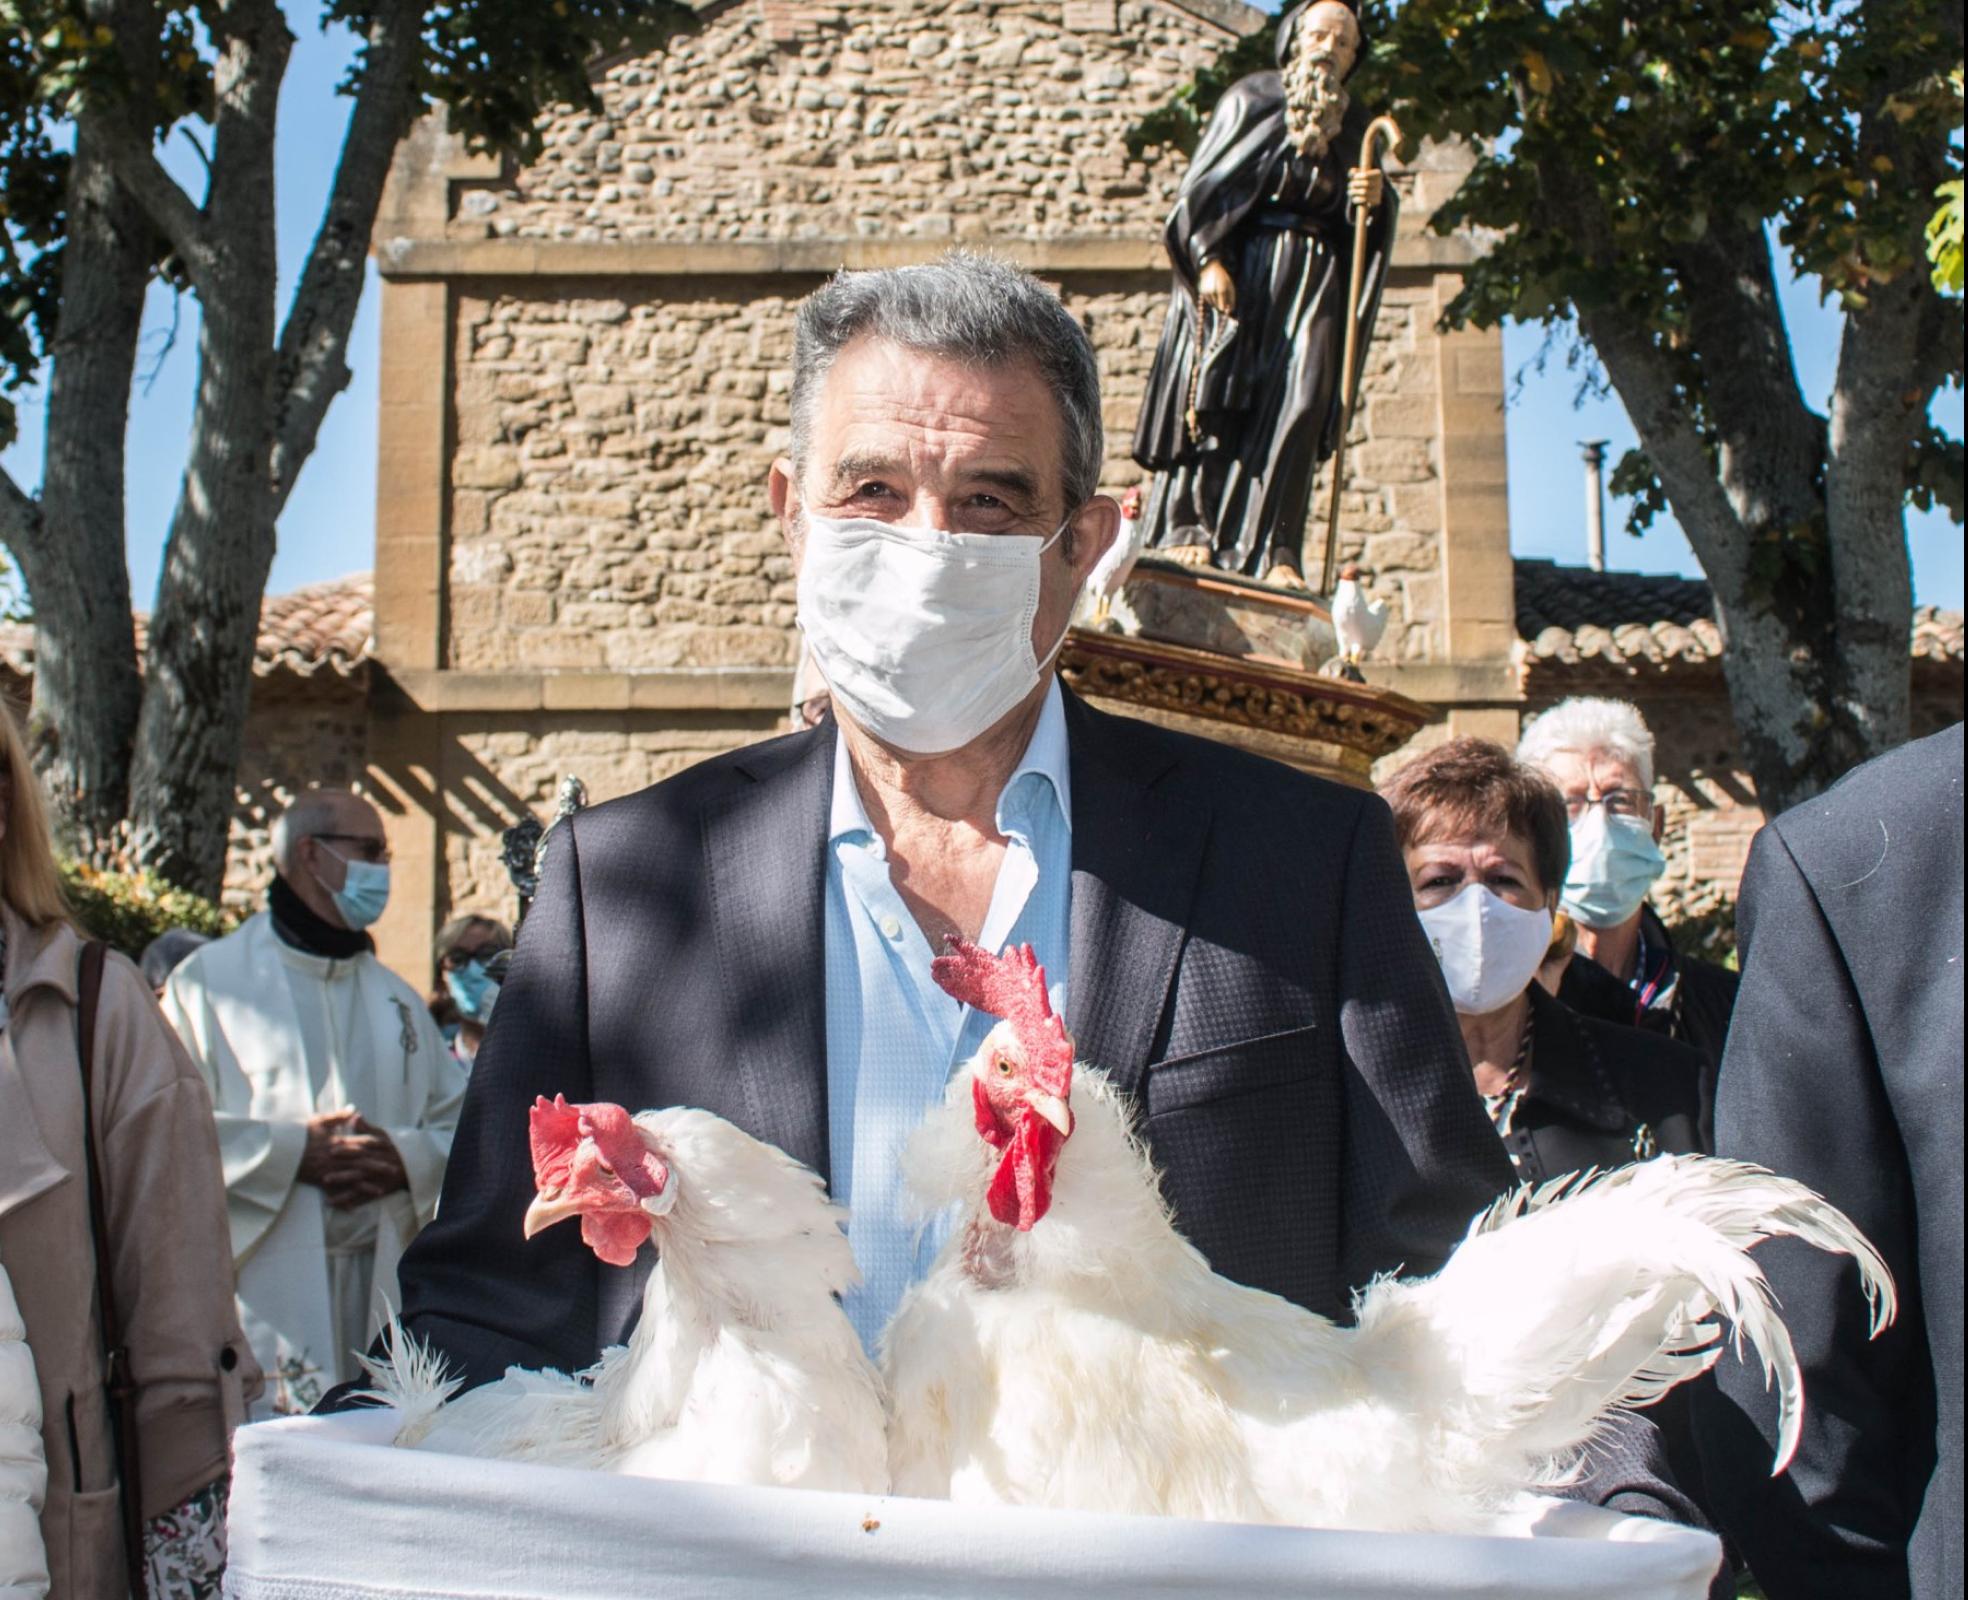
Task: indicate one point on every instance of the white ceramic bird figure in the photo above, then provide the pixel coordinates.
(1101, 598)
(1070, 1349)
(743, 1369)
(1357, 621)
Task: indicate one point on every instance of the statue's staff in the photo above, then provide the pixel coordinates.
(1363, 188)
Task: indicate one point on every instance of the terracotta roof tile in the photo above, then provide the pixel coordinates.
(1571, 616)
(323, 626)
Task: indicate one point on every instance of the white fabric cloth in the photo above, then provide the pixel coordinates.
(447, 1526)
(281, 1035)
(23, 1469)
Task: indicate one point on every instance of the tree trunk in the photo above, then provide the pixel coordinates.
(86, 686)
(200, 654)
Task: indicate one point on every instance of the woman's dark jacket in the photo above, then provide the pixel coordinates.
(1601, 1095)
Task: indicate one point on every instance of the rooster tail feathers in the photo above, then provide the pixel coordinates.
(411, 1377)
(1590, 1293)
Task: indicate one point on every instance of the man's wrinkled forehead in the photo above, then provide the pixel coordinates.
(884, 408)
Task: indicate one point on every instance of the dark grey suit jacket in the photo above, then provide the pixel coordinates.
(1246, 962)
(1844, 1069)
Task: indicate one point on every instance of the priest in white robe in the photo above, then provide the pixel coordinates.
(335, 1095)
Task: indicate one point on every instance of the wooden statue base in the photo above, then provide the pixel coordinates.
(1237, 661)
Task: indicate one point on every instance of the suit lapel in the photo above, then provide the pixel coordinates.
(1137, 849)
(765, 853)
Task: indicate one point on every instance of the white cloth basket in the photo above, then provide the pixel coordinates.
(323, 1509)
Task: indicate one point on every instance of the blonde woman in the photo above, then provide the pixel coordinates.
(166, 1249)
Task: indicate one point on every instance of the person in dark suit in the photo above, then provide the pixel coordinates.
(1627, 968)
(753, 936)
(1844, 1070)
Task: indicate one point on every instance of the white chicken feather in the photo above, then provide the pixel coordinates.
(742, 1367)
(1070, 1349)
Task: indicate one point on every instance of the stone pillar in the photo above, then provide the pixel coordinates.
(1479, 605)
(414, 381)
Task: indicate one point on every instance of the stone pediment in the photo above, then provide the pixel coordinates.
(791, 120)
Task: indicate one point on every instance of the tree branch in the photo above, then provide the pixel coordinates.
(1771, 442)
(1645, 379)
(171, 211)
(311, 366)
(20, 515)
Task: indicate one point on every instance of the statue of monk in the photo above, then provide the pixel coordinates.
(1243, 401)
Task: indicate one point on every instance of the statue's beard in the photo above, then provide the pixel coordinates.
(1315, 101)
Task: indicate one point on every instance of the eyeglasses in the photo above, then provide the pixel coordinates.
(1618, 803)
(367, 846)
(459, 958)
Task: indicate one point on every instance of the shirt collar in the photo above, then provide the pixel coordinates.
(1045, 755)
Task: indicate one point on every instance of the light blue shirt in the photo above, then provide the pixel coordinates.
(893, 1037)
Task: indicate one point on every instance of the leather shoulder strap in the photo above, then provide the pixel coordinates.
(118, 1384)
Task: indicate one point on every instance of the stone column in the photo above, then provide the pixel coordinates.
(413, 429)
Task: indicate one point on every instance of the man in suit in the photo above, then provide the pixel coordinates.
(754, 935)
(1844, 1070)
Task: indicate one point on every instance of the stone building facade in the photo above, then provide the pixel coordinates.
(584, 380)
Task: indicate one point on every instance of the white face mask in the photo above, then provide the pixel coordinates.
(1489, 949)
(924, 637)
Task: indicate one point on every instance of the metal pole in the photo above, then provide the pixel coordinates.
(1349, 372)
(1595, 503)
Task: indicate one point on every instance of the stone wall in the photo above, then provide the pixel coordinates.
(612, 439)
(494, 768)
(950, 119)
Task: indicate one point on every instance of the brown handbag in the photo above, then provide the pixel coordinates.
(117, 1383)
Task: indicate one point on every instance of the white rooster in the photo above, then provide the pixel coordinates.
(1357, 621)
(1070, 1349)
(742, 1368)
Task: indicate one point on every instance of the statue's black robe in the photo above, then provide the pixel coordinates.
(1267, 398)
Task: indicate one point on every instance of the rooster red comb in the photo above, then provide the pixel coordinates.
(553, 1131)
(1011, 986)
(557, 1127)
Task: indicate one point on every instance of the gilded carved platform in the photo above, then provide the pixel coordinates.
(1237, 661)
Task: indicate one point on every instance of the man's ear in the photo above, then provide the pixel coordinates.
(1660, 821)
(782, 490)
(1090, 531)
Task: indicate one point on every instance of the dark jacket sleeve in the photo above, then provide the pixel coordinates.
(1800, 1092)
(1420, 1157)
(473, 1287)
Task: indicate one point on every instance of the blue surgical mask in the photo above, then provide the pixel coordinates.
(1614, 863)
(472, 991)
(364, 892)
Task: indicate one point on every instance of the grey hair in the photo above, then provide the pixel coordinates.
(315, 811)
(1580, 726)
(967, 307)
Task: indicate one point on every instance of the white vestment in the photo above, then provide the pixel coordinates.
(281, 1035)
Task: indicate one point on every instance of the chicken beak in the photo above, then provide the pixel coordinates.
(1053, 1110)
(546, 1210)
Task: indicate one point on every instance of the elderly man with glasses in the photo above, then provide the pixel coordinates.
(335, 1095)
(1600, 753)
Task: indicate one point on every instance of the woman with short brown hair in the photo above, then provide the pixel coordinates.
(144, 1133)
(1487, 843)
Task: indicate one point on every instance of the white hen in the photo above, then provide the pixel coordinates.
(1070, 1349)
(742, 1368)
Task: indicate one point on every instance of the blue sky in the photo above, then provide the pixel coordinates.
(328, 527)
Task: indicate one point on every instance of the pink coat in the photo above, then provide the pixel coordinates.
(172, 1266)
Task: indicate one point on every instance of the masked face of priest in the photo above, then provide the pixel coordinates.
(1324, 45)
